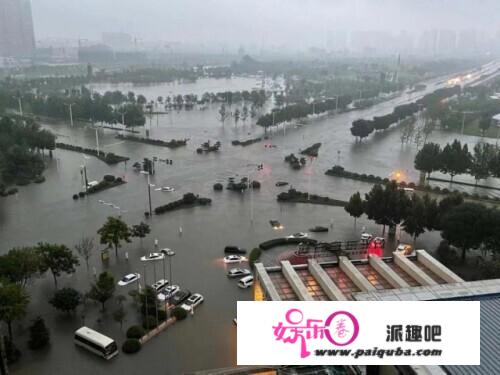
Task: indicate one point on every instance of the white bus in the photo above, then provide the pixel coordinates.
(95, 342)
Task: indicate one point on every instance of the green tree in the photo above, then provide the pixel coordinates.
(119, 315)
(484, 124)
(355, 206)
(427, 159)
(56, 258)
(19, 265)
(140, 230)
(103, 289)
(66, 300)
(39, 334)
(14, 301)
(431, 213)
(464, 226)
(113, 232)
(455, 159)
(386, 206)
(415, 220)
(480, 165)
(85, 248)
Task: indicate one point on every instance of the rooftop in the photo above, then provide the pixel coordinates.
(418, 277)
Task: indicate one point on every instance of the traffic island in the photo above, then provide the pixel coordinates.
(312, 151)
(173, 143)
(294, 196)
(188, 200)
(107, 157)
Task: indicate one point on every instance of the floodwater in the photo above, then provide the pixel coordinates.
(46, 212)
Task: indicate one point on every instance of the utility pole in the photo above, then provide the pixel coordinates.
(97, 141)
(70, 113)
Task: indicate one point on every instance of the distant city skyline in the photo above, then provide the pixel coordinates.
(16, 28)
(290, 24)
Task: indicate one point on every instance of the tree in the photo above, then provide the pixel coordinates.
(484, 123)
(386, 206)
(66, 300)
(85, 247)
(113, 232)
(20, 264)
(103, 289)
(415, 220)
(223, 115)
(141, 99)
(355, 206)
(56, 258)
(39, 334)
(361, 128)
(431, 213)
(455, 159)
(140, 230)
(13, 303)
(464, 226)
(427, 159)
(119, 315)
(236, 116)
(480, 164)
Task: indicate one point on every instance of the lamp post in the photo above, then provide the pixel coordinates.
(149, 192)
(70, 105)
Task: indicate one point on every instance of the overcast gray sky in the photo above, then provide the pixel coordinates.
(254, 21)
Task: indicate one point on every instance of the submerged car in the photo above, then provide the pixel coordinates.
(234, 250)
(193, 301)
(233, 259)
(152, 256)
(168, 292)
(180, 297)
(159, 285)
(238, 272)
(276, 224)
(298, 235)
(129, 279)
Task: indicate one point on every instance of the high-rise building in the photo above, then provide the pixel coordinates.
(17, 36)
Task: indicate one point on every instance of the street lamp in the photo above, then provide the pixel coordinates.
(70, 105)
(149, 192)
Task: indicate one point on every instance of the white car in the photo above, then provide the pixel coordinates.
(193, 301)
(129, 279)
(168, 292)
(233, 259)
(159, 285)
(152, 256)
(167, 189)
(246, 282)
(167, 251)
(298, 235)
(238, 272)
(366, 237)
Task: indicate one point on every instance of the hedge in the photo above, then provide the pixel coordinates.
(131, 346)
(135, 332)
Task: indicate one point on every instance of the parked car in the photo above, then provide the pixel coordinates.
(159, 285)
(378, 242)
(238, 272)
(245, 282)
(298, 235)
(233, 259)
(129, 279)
(276, 224)
(152, 256)
(318, 228)
(366, 237)
(167, 251)
(405, 249)
(168, 292)
(180, 297)
(193, 301)
(234, 250)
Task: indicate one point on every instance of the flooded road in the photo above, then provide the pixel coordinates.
(46, 212)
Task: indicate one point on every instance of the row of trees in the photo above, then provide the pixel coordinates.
(112, 107)
(455, 158)
(21, 145)
(302, 110)
(363, 128)
(464, 225)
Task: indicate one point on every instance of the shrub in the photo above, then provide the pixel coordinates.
(81, 194)
(109, 178)
(254, 256)
(12, 191)
(149, 322)
(131, 346)
(445, 191)
(11, 351)
(255, 185)
(119, 180)
(412, 185)
(162, 315)
(179, 313)
(75, 196)
(218, 187)
(135, 332)
(39, 179)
